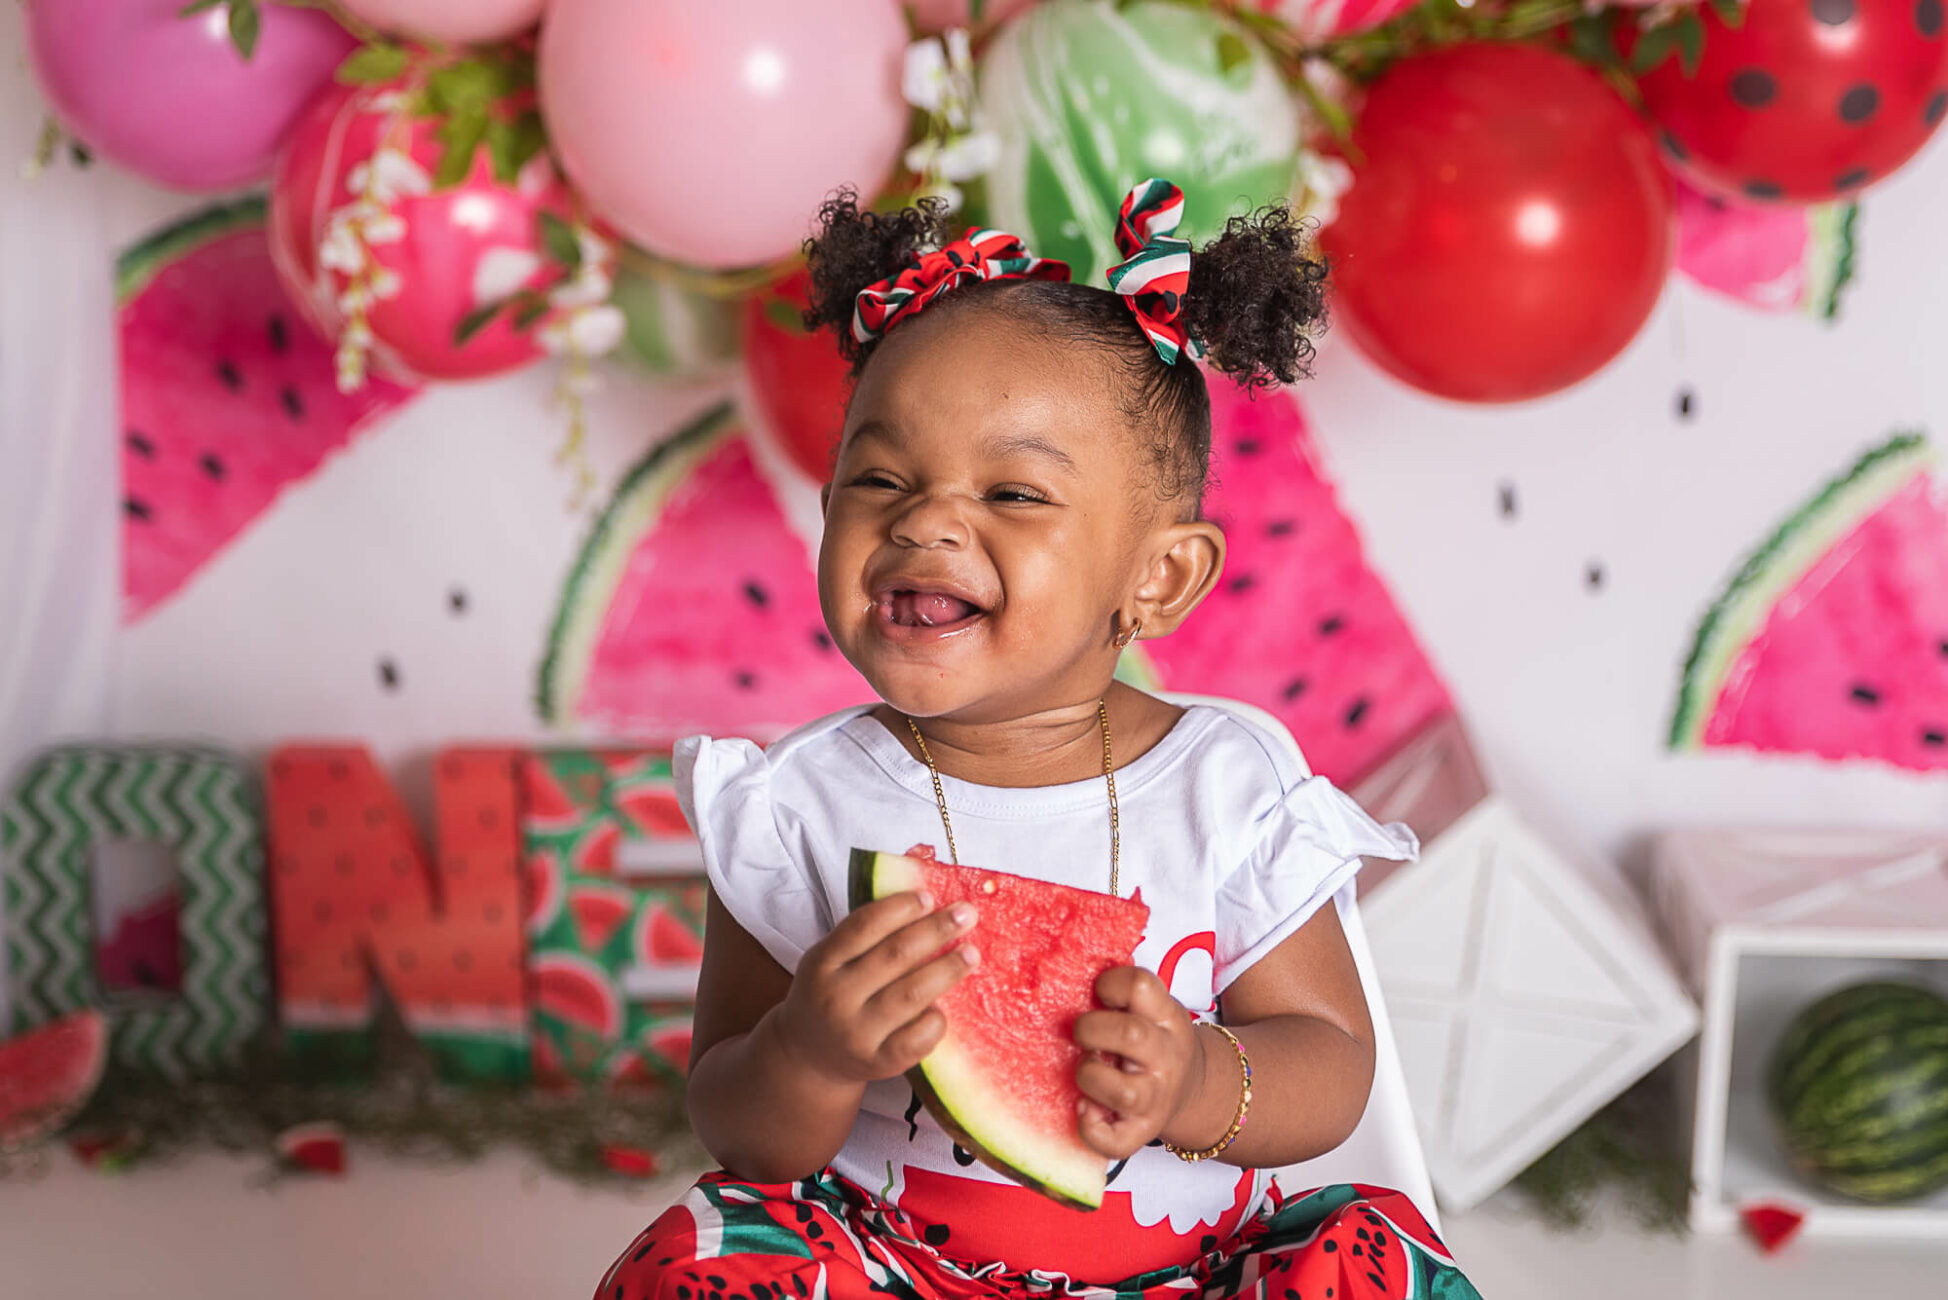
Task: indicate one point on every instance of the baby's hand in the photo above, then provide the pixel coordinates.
(1145, 1070)
(861, 1006)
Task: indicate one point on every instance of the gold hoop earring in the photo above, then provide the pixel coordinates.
(1129, 634)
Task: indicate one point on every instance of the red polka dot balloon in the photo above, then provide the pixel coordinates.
(1807, 100)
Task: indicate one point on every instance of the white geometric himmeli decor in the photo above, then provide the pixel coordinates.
(1521, 1000)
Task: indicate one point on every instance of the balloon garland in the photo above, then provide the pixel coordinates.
(700, 178)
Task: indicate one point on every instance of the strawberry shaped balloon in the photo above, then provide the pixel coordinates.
(421, 221)
(1805, 100)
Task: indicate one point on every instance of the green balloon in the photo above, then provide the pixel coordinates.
(1089, 97)
(674, 332)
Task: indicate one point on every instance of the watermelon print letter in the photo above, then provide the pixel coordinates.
(614, 959)
(355, 895)
(197, 803)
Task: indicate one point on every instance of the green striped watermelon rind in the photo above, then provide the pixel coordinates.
(138, 265)
(1830, 263)
(605, 556)
(1858, 1089)
(1740, 612)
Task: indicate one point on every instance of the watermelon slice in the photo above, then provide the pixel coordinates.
(228, 397)
(600, 910)
(1002, 1082)
(1299, 625)
(47, 1076)
(693, 607)
(578, 993)
(1832, 639)
(1768, 255)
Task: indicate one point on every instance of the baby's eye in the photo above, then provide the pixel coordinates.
(1014, 492)
(873, 478)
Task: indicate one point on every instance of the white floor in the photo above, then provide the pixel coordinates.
(210, 1231)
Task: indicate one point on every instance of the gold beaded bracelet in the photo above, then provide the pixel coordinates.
(1244, 1105)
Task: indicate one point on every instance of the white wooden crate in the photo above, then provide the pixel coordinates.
(1763, 923)
(1523, 1000)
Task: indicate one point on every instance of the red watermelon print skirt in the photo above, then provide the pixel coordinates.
(824, 1238)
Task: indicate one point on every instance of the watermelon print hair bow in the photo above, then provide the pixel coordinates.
(1156, 269)
(1152, 280)
(978, 255)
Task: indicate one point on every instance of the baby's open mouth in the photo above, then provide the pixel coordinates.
(906, 608)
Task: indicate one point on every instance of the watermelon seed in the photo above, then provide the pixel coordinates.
(756, 595)
(1508, 500)
(211, 464)
(1294, 689)
(1358, 711)
(1331, 625)
(227, 371)
(456, 600)
(1943, 647)
(822, 640)
(1246, 446)
(1281, 527)
(1243, 582)
(745, 681)
(293, 402)
(280, 336)
(1593, 575)
(1934, 738)
(1685, 404)
(389, 674)
(1866, 695)
(137, 510)
(141, 446)
(936, 1234)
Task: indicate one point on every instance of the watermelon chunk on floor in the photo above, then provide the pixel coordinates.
(47, 1075)
(228, 396)
(693, 607)
(1832, 639)
(1299, 624)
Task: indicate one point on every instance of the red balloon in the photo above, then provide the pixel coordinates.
(797, 382)
(1509, 226)
(1807, 100)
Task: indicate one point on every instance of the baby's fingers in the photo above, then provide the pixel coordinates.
(1111, 1136)
(1130, 1093)
(908, 1045)
(1119, 1033)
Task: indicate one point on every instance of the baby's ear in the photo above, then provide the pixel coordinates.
(1187, 561)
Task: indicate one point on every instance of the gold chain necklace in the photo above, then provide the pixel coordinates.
(1109, 778)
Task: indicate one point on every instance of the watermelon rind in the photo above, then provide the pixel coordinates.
(1740, 612)
(604, 557)
(139, 264)
(1829, 257)
(959, 1100)
(1858, 1090)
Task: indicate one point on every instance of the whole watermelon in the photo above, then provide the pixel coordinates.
(1859, 1090)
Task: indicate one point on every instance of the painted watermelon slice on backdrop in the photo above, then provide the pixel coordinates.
(1768, 255)
(228, 397)
(693, 606)
(1299, 624)
(1832, 639)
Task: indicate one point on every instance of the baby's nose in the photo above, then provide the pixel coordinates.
(932, 521)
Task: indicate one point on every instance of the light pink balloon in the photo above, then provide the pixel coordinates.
(709, 133)
(456, 22)
(169, 97)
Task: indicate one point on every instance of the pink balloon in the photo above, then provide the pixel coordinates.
(455, 246)
(169, 97)
(456, 22)
(709, 133)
